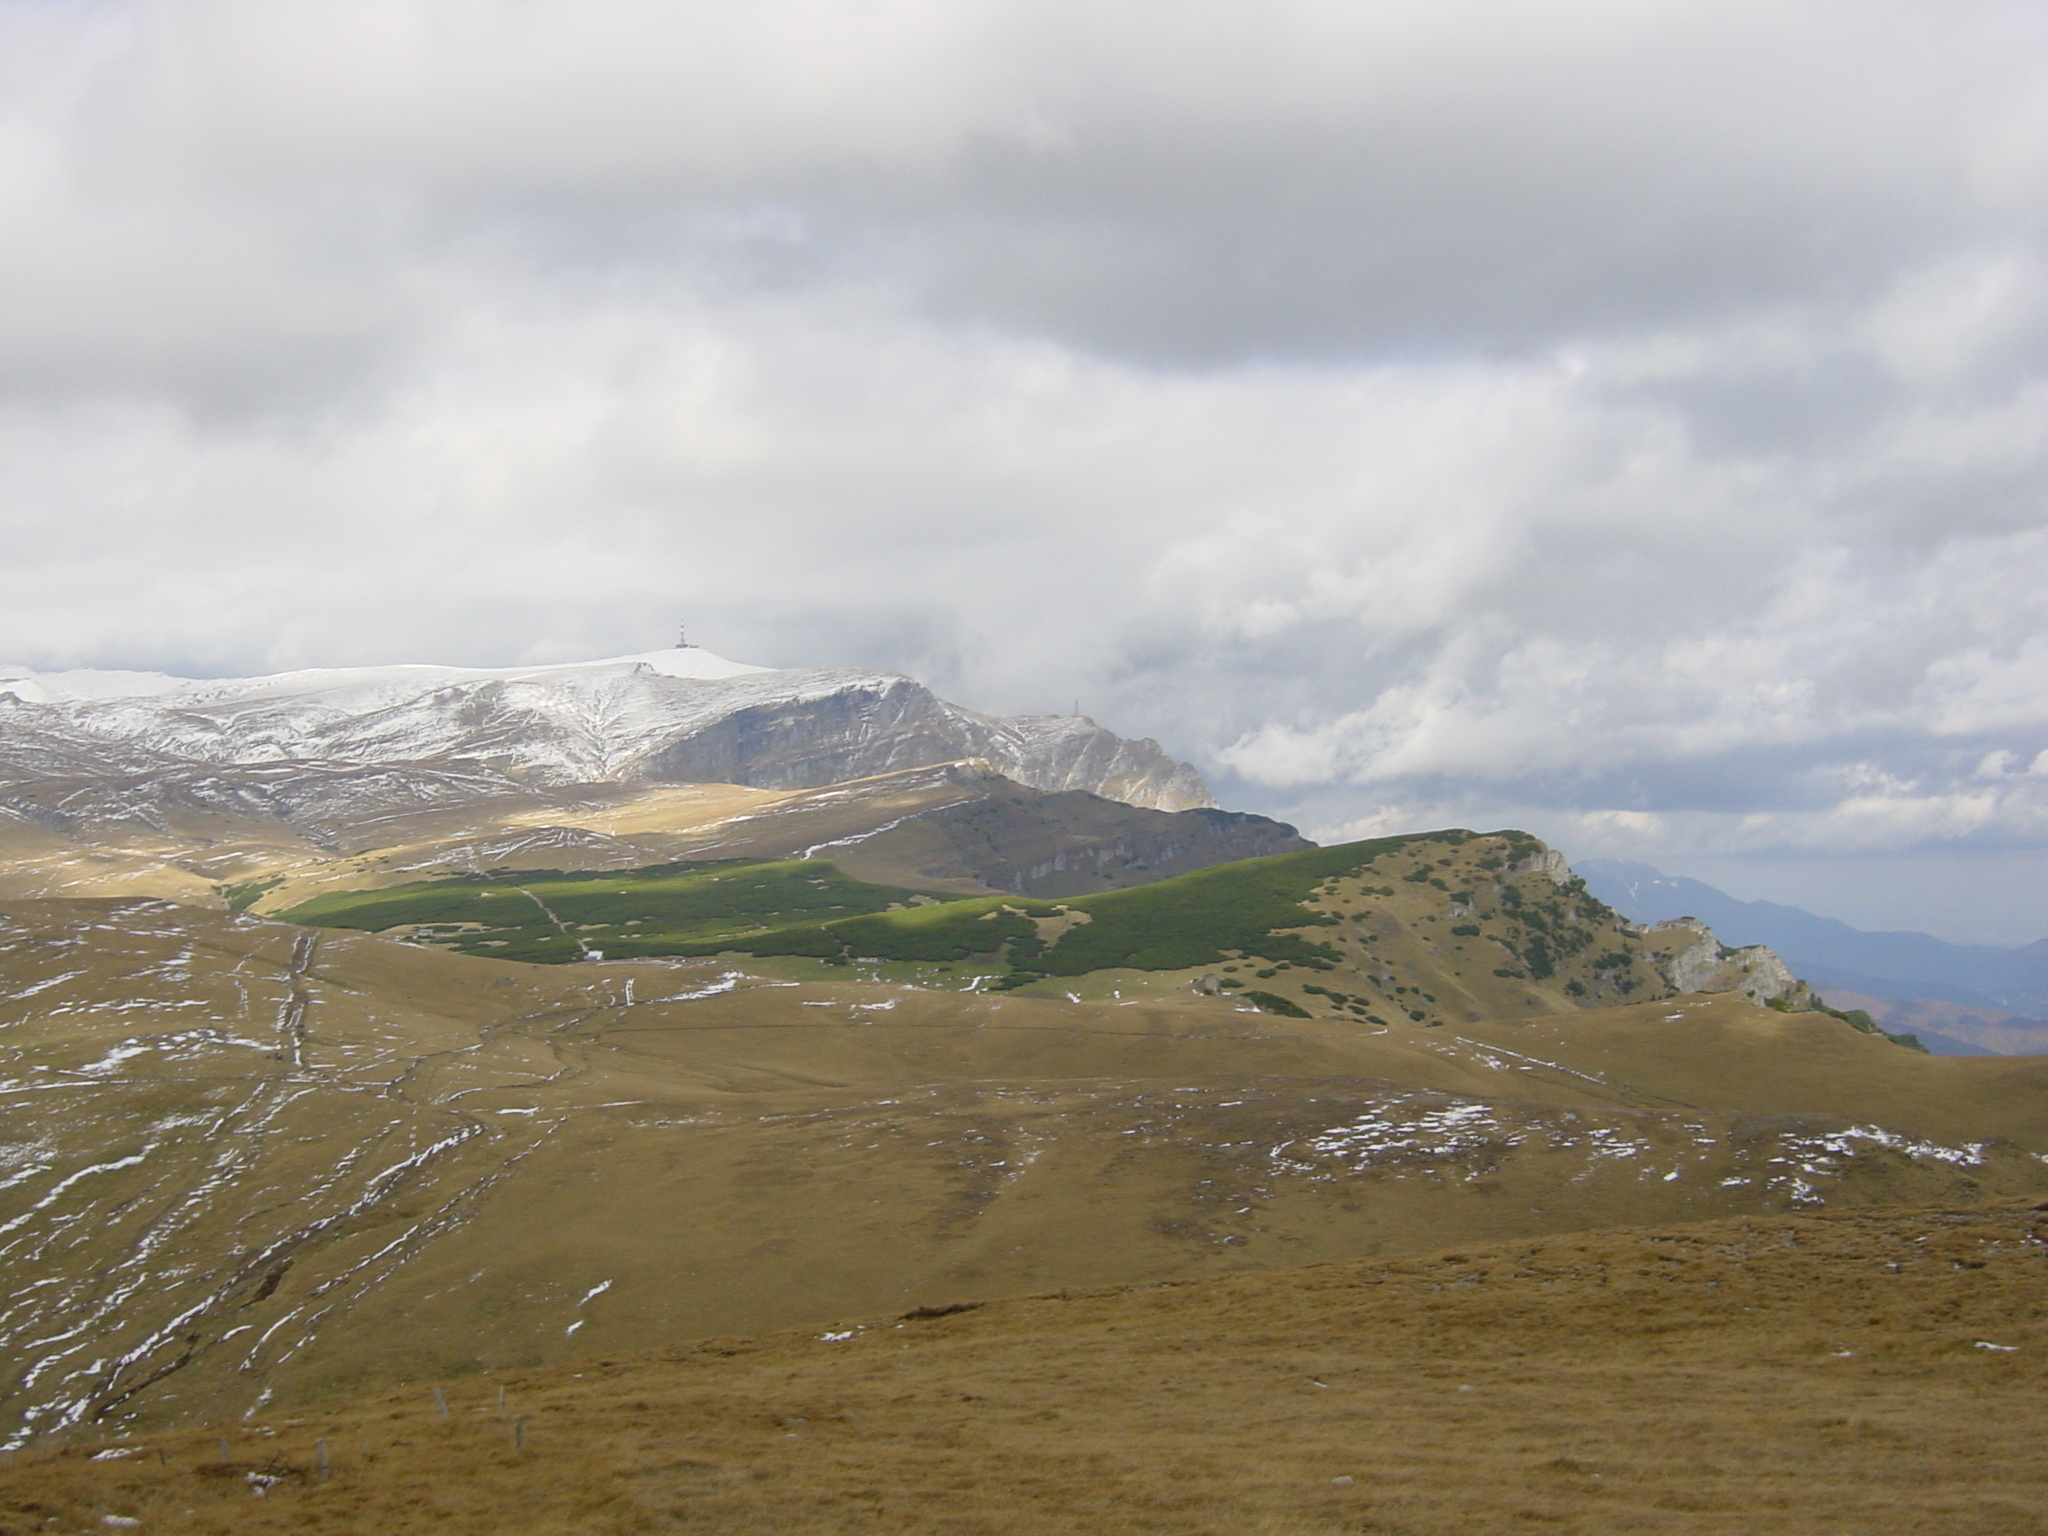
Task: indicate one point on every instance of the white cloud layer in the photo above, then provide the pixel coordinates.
(1627, 420)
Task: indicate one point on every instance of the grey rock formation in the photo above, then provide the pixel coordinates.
(1829, 952)
(865, 725)
(1705, 964)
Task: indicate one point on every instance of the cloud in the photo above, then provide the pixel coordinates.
(1628, 419)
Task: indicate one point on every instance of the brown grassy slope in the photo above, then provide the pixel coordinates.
(1441, 929)
(1718, 1050)
(182, 852)
(253, 1164)
(956, 827)
(1829, 1375)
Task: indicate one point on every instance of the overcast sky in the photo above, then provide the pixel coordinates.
(1620, 418)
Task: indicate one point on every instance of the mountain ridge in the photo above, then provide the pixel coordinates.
(145, 784)
(1827, 951)
(680, 716)
(1429, 929)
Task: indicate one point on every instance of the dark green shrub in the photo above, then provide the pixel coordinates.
(1271, 1002)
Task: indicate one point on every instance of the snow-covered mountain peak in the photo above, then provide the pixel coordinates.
(84, 683)
(676, 716)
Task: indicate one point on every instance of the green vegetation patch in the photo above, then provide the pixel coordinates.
(1273, 1002)
(1856, 1019)
(1227, 911)
(1269, 917)
(810, 908)
(667, 909)
(242, 895)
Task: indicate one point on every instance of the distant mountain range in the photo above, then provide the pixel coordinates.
(1905, 966)
(231, 791)
(434, 733)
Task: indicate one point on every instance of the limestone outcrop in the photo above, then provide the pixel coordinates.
(1696, 961)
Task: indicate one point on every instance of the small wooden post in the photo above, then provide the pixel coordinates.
(224, 1457)
(441, 1402)
(501, 1399)
(320, 1450)
(519, 1434)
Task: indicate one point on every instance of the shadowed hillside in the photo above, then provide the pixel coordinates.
(275, 835)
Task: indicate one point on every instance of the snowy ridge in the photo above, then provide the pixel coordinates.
(69, 687)
(676, 716)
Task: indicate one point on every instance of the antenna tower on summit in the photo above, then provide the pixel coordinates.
(683, 638)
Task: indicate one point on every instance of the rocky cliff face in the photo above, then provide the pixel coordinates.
(832, 727)
(280, 745)
(1696, 961)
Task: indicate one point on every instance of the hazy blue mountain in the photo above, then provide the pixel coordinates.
(1948, 1045)
(1829, 952)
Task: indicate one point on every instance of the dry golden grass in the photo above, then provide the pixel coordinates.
(183, 853)
(258, 1174)
(252, 1169)
(1824, 1375)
